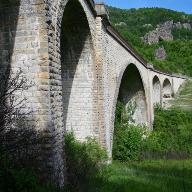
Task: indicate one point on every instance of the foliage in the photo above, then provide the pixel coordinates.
(84, 161)
(127, 143)
(21, 180)
(179, 59)
(172, 132)
(171, 137)
(19, 141)
(127, 138)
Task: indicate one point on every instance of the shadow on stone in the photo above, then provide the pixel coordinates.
(77, 62)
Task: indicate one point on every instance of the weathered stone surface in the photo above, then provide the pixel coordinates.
(161, 32)
(160, 53)
(187, 26)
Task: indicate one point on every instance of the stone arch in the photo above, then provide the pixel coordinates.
(71, 75)
(156, 90)
(167, 89)
(77, 63)
(132, 91)
(132, 74)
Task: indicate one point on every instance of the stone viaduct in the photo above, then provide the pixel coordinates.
(79, 66)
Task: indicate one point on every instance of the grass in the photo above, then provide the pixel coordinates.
(146, 176)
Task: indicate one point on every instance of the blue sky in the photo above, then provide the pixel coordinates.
(179, 5)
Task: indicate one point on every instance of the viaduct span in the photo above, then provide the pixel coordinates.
(79, 66)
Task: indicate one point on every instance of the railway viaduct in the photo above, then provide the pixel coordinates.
(79, 66)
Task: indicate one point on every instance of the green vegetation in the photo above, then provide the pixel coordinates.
(147, 176)
(171, 137)
(147, 165)
(84, 162)
(172, 133)
(127, 140)
(21, 180)
(184, 99)
(179, 52)
(87, 173)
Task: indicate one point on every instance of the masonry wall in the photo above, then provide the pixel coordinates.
(24, 28)
(30, 40)
(115, 61)
(78, 73)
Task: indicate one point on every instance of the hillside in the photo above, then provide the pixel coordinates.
(135, 24)
(184, 99)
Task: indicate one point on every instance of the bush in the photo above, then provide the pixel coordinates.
(84, 161)
(127, 143)
(20, 143)
(21, 180)
(172, 132)
(171, 136)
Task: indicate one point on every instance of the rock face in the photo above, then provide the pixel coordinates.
(160, 53)
(164, 32)
(161, 32)
(187, 26)
(180, 25)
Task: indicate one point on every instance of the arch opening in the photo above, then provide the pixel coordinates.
(167, 91)
(76, 67)
(132, 95)
(156, 91)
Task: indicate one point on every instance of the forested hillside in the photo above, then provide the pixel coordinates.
(134, 24)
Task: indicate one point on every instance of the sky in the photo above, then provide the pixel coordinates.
(178, 5)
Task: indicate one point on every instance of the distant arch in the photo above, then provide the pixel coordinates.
(156, 90)
(167, 89)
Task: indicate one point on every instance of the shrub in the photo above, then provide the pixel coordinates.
(128, 138)
(20, 143)
(21, 180)
(127, 142)
(171, 137)
(172, 132)
(84, 161)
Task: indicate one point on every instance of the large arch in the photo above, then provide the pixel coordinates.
(156, 91)
(71, 76)
(130, 88)
(132, 94)
(77, 64)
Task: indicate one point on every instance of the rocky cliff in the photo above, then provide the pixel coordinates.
(164, 32)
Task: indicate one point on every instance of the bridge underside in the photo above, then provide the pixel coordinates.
(132, 95)
(77, 66)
